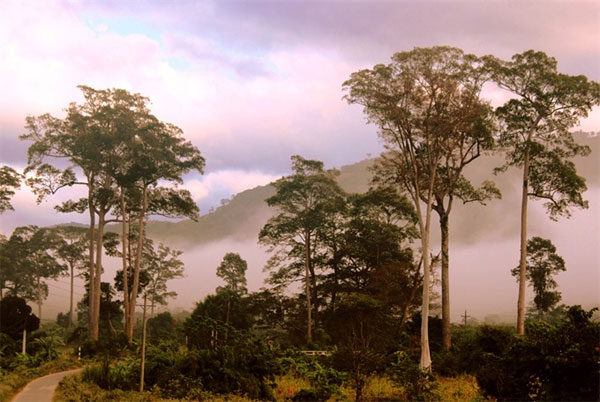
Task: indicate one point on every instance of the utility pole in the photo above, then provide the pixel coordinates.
(465, 317)
(24, 347)
(143, 345)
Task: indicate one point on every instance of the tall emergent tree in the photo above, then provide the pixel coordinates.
(233, 271)
(118, 146)
(71, 251)
(542, 264)
(161, 266)
(536, 121)
(425, 103)
(10, 180)
(304, 201)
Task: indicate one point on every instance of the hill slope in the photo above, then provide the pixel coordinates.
(243, 217)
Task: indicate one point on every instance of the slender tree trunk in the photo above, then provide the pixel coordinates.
(313, 295)
(523, 255)
(92, 323)
(98, 274)
(446, 340)
(124, 239)
(228, 310)
(143, 362)
(335, 278)
(138, 260)
(424, 228)
(39, 300)
(71, 321)
(308, 292)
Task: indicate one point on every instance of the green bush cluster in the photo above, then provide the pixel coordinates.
(325, 381)
(553, 361)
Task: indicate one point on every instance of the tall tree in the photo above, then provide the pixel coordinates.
(542, 264)
(419, 102)
(117, 144)
(233, 271)
(304, 201)
(71, 250)
(545, 105)
(87, 138)
(10, 180)
(161, 266)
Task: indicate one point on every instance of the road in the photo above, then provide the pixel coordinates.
(42, 389)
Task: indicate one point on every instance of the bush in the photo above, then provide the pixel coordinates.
(236, 363)
(552, 362)
(112, 346)
(324, 381)
(418, 385)
(123, 375)
(470, 345)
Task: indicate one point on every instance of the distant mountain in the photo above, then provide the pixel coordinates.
(242, 218)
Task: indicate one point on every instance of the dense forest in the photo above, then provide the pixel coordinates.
(356, 304)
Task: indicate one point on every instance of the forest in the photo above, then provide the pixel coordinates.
(356, 304)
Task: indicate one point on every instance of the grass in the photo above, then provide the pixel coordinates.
(459, 389)
(377, 388)
(12, 381)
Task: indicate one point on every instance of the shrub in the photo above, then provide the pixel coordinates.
(553, 362)
(418, 385)
(324, 381)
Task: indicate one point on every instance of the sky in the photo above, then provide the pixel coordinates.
(253, 82)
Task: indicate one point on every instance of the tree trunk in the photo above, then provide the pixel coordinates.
(424, 229)
(71, 321)
(523, 256)
(98, 274)
(39, 300)
(313, 295)
(138, 261)
(124, 239)
(92, 323)
(143, 362)
(308, 291)
(446, 340)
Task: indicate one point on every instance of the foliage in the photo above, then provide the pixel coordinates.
(29, 257)
(15, 315)
(47, 347)
(111, 313)
(233, 271)
(211, 310)
(418, 384)
(122, 375)
(111, 346)
(223, 358)
(324, 380)
(161, 327)
(554, 362)
(542, 264)
(10, 180)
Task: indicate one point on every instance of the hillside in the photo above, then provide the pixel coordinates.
(242, 218)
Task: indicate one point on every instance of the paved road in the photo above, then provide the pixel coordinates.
(41, 390)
